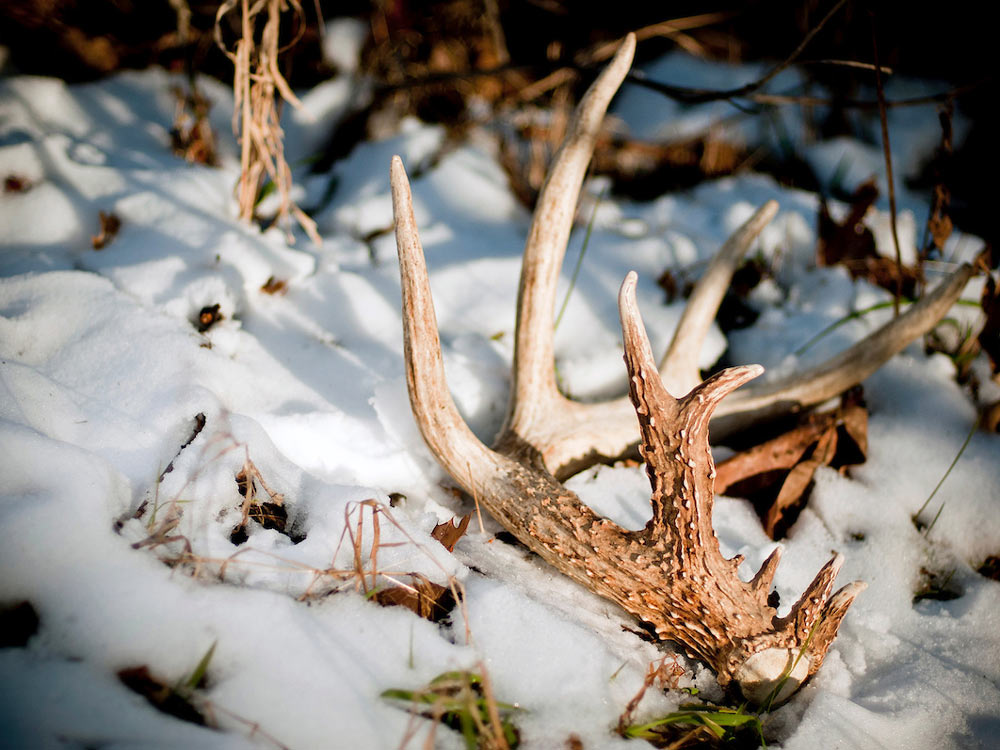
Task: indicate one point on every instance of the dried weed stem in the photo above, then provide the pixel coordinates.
(257, 87)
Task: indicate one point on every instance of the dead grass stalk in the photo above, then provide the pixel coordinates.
(258, 87)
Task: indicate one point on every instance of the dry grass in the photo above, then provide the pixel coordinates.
(461, 700)
(362, 535)
(258, 88)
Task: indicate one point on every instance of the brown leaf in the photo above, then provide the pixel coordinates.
(109, 226)
(270, 514)
(191, 135)
(991, 417)
(850, 239)
(208, 316)
(669, 284)
(274, 286)
(783, 452)
(939, 224)
(989, 336)
(448, 533)
(159, 694)
(854, 426)
(775, 475)
(424, 597)
(990, 567)
(851, 244)
(15, 183)
(797, 481)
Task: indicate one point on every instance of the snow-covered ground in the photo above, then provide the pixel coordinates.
(104, 375)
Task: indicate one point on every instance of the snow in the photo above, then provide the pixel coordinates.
(104, 374)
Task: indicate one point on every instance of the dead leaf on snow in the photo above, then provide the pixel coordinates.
(991, 417)
(939, 224)
(208, 316)
(776, 475)
(989, 336)
(990, 567)
(160, 694)
(109, 226)
(849, 239)
(430, 600)
(797, 482)
(852, 244)
(15, 183)
(274, 286)
(448, 533)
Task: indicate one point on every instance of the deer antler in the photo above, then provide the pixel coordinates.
(671, 574)
(571, 435)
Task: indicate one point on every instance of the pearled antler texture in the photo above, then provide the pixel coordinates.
(670, 574)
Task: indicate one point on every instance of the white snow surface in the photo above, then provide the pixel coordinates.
(102, 374)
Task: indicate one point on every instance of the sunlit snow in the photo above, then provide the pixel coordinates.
(103, 374)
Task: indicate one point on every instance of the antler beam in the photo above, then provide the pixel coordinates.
(571, 435)
(670, 574)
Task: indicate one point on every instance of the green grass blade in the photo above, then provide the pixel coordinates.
(579, 260)
(188, 686)
(968, 438)
(855, 314)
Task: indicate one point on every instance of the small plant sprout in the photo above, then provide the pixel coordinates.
(694, 722)
(187, 685)
(857, 315)
(462, 701)
(916, 516)
(705, 723)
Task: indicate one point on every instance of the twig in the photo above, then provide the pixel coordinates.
(846, 64)
(673, 29)
(913, 101)
(888, 173)
(699, 96)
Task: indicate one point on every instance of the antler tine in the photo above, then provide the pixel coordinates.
(574, 435)
(729, 623)
(674, 430)
(801, 390)
(583, 433)
(679, 366)
(534, 387)
(444, 430)
(825, 630)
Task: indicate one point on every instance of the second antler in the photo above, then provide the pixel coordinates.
(671, 574)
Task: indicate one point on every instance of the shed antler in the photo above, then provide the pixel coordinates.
(671, 574)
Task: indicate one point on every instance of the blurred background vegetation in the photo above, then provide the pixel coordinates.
(459, 62)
